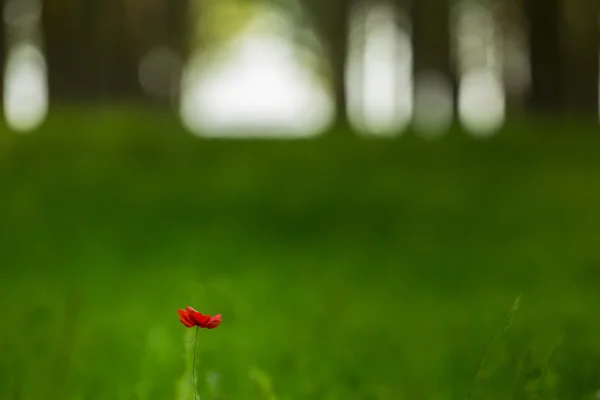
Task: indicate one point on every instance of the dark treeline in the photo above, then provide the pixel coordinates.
(563, 55)
(93, 47)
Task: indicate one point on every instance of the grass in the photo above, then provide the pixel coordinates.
(344, 268)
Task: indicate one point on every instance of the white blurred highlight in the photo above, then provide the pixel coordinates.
(257, 89)
(481, 103)
(25, 88)
(379, 71)
(25, 79)
(481, 95)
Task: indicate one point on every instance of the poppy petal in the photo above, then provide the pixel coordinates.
(187, 324)
(200, 319)
(213, 322)
(186, 319)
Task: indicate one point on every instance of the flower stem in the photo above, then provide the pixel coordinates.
(194, 367)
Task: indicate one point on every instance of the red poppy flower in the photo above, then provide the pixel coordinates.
(190, 318)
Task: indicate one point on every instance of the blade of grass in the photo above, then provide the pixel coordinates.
(506, 324)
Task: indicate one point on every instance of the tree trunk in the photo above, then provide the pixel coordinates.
(4, 51)
(179, 26)
(332, 20)
(546, 61)
(337, 33)
(123, 82)
(581, 57)
(431, 39)
(67, 49)
(513, 32)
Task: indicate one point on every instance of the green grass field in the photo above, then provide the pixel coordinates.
(344, 268)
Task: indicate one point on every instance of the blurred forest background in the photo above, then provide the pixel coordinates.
(374, 63)
(435, 235)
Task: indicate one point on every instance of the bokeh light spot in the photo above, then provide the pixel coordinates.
(25, 88)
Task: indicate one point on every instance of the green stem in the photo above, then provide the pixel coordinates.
(194, 367)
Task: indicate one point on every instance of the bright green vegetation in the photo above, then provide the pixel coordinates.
(344, 268)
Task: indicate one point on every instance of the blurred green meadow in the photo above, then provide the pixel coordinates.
(345, 268)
